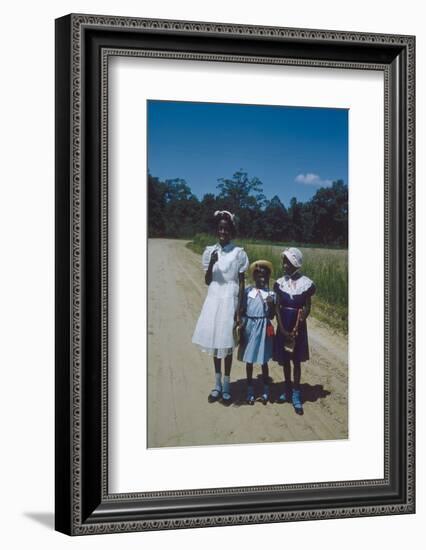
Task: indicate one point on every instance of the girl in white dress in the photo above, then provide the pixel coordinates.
(224, 264)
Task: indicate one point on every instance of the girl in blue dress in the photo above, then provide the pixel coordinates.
(293, 305)
(257, 331)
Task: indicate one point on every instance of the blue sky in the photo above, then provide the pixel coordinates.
(292, 150)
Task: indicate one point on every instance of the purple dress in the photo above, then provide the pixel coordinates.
(292, 294)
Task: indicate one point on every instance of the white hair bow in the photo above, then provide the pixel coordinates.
(218, 212)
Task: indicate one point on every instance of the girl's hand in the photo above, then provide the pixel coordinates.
(214, 257)
(270, 305)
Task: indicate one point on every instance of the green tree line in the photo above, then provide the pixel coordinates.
(174, 211)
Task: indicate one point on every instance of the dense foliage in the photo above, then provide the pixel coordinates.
(174, 211)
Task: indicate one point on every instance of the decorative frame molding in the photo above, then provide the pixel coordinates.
(84, 43)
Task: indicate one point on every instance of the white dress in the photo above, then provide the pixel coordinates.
(214, 330)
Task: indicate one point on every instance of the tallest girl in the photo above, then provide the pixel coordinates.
(224, 264)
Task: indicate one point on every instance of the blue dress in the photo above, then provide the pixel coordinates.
(256, 346)
(292, 294)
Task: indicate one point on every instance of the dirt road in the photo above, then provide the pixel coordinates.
(180, 376)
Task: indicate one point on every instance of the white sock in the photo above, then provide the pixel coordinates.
(218, 379)
(226, 384)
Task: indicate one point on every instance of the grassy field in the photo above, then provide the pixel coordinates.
(327, 267)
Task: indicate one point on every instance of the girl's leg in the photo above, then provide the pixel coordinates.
(217, 391)
(286, 395)
(297, 370)
(249, 373)
(226, 394)
(265, 378)
(228, 364)
(250, 390)
(297, 397)
(287, 372)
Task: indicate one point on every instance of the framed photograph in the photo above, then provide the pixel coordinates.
(234, 274)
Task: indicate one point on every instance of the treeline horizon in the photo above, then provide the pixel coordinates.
(175, 212)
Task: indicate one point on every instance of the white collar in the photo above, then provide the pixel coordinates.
(255, 291)
(294, 286)
(227, 248)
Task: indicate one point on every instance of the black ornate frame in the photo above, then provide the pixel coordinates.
(83, 45)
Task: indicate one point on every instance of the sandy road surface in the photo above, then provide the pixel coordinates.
(180, 376)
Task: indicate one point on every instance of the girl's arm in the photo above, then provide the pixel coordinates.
(271, 307)
(307, 308)
(238, 312)
(279, 321)
(209, 273)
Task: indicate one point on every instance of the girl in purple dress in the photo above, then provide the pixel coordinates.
(293, 294)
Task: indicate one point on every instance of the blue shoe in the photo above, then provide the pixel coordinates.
(286, 396)
(250, 396)
(297, 402)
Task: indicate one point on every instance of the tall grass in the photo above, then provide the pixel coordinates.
(328, 268)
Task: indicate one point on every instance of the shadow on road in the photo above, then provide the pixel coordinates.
(239, 391)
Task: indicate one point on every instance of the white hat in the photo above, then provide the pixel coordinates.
(294, 256)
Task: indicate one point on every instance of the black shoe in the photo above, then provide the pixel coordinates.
(214, 396)
(226, 399)
(264, 398)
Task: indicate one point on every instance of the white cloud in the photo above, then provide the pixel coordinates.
(312, 179)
